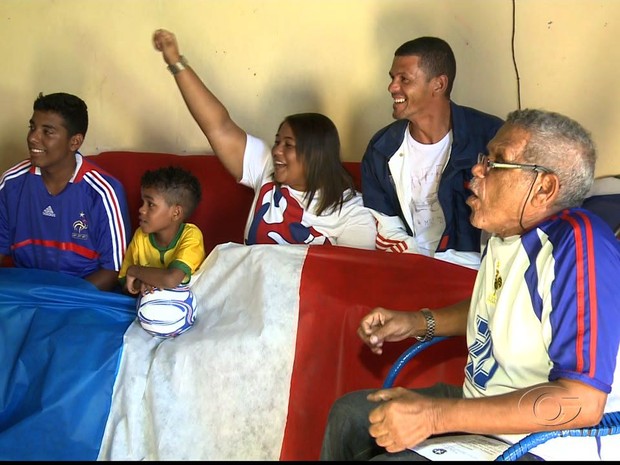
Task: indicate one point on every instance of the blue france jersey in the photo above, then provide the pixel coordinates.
(79, 231)
(546, 305)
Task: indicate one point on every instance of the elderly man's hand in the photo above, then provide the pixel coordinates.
(382, 325)
(404, 418)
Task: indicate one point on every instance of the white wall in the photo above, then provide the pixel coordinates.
(269, 58)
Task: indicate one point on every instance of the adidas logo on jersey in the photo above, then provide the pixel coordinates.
(49, 212)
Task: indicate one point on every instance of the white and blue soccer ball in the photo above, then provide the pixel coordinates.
(167, 312)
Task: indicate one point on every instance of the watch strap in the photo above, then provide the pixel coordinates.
(430, 326)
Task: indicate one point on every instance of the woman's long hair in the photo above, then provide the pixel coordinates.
(318, 150)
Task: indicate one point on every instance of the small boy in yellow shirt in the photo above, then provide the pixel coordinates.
(164, 252)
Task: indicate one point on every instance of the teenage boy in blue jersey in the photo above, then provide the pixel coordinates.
(58, 211)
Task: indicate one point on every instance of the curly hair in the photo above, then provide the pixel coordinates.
(177, 185)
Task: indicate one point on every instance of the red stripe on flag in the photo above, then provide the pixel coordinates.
(339, 285)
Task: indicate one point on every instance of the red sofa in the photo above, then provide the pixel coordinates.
(340, 285)
(374, 278)
(223, 211)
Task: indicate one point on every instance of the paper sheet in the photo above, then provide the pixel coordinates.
(461, 447)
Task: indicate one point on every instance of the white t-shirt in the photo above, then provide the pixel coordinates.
(279, 215)
(427, 162)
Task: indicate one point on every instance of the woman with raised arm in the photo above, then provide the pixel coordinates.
(303, 193)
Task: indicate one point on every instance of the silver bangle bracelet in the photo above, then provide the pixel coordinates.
(179, 66)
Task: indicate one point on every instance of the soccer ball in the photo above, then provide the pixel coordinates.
(167, 312)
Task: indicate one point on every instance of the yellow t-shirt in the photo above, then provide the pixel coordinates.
(186, 252)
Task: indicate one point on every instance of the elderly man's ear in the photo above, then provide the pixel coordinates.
(547, 190)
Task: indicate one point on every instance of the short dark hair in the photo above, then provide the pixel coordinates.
(72, 109)
(177, 185)
(436, 57)
(318, 149)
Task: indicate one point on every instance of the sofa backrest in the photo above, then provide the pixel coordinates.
(223, 210)
(604, 200)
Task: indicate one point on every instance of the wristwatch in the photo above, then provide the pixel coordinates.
(178, 66)
(430, 326)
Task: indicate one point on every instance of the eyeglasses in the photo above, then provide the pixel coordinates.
(488, 165)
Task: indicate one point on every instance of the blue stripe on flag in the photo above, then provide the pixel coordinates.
(60, 346)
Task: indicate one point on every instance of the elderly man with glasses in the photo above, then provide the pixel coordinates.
(541, 325)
